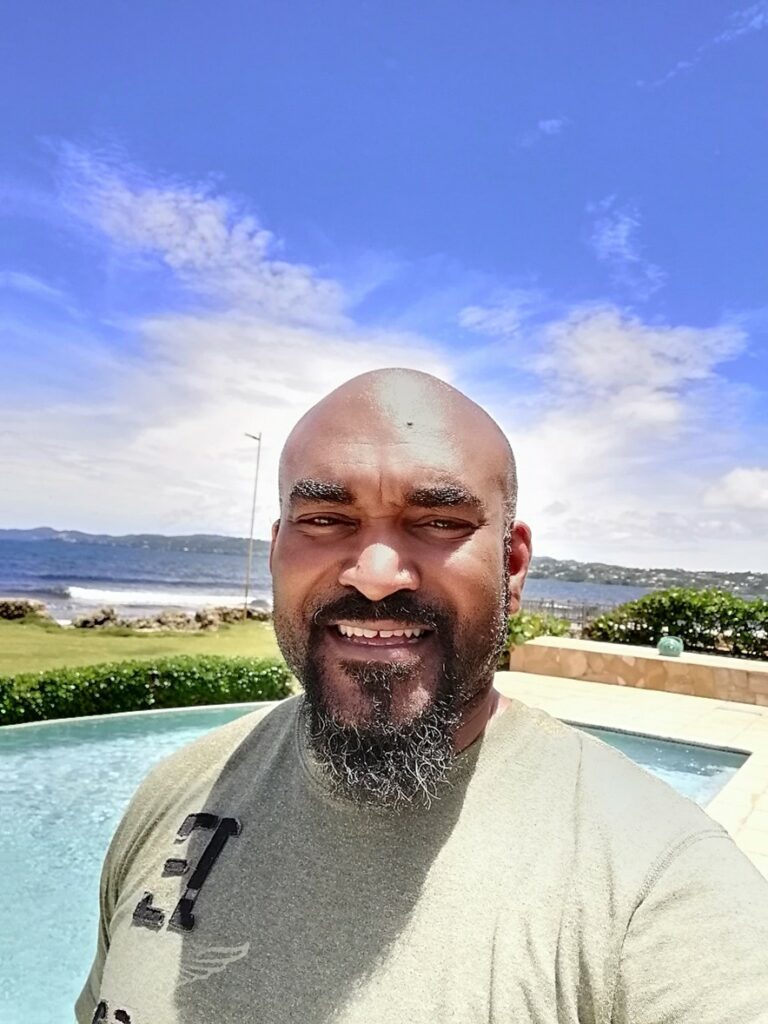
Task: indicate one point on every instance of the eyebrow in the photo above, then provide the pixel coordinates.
(444, 496)
(309, 489)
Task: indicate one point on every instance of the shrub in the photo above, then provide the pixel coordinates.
(707, 621)
(184, 681)
(525, 626)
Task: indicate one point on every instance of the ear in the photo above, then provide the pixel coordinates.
(518, 560)
(275, 528)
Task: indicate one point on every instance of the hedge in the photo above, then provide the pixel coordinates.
(184, 681)
(707, 621)
(526, 626)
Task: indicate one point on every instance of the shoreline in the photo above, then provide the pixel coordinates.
(209, 611)
(67, 601)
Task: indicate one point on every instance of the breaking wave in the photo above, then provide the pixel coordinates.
(159, 598)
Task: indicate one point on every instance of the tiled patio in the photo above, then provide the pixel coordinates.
(741, 806)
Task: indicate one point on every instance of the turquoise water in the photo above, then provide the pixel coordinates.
(697, 772)
(63, 787)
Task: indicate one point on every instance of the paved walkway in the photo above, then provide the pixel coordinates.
(741, 806)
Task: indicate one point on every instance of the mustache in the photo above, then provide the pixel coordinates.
(400, 605)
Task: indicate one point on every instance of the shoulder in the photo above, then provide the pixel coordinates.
(631, 825)
(188, 775)
(615, 808)
(212, 752)
(618, 787)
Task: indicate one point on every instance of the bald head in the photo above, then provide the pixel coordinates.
(406, 409)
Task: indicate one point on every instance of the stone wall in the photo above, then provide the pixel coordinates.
(700, 675)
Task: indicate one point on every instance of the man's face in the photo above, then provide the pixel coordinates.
(391, 573)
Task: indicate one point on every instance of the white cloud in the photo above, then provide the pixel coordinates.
(743, 22)
(505, 316)
(164, 449)
(622, 427)
(210, 243)
(621, 437)
(600, 350)
(745, 487)
(552, 125)
(546, 127)
(615, 243)
(161, 444)
(12, 280)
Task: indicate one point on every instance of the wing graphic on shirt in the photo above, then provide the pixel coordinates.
(199, 964)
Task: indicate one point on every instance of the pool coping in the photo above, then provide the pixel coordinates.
(741, 806)
(112, 715)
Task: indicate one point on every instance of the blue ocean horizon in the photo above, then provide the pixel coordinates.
(74, 578)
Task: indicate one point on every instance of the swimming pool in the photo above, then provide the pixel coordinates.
(696, 771)
(63, 786)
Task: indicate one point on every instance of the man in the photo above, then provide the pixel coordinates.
(403, 844)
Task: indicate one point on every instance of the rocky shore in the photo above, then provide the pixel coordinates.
(208, 619)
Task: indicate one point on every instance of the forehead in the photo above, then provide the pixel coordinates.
(391, 458)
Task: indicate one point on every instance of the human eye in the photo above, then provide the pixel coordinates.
(321, 522)
(444, 526)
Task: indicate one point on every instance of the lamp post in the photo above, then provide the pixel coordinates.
(257, 439)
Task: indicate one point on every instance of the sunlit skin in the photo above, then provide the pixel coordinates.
(396, 483)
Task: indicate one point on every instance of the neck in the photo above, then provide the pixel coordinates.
(477, 715)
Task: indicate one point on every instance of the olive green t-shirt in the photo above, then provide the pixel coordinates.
(553, 882)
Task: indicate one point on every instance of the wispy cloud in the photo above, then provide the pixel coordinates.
(607, 412)
(211, 243)
(28, 284)
(504, 317)
(614, 239)
(545, 128)
(742, 22)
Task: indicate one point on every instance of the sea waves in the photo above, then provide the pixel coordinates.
(186, 599)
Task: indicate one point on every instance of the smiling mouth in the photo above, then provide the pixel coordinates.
(366, 634)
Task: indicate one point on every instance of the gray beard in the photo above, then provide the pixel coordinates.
(384, 763)
(380, 761)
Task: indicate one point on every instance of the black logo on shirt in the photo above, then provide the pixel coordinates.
(147, 914)
(101, 1015)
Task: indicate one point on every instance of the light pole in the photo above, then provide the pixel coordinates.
(257, 439)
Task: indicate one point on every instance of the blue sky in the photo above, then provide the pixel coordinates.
(212, 214)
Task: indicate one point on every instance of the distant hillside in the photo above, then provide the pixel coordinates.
(746, 584)
(198, 542)
(750, 584)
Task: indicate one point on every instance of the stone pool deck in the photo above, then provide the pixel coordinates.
(741, 806)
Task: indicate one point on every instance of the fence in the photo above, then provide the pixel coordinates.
(578, 614)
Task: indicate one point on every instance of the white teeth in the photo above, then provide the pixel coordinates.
(368, 634)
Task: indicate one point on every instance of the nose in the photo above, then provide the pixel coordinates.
(379, 571)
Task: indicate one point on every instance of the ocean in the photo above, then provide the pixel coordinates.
(74, 578)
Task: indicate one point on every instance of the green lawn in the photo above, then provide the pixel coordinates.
(30, 647)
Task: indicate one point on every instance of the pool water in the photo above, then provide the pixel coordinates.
(697, 772)
(63, 787)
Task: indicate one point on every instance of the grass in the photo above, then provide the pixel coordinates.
(30, 645)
